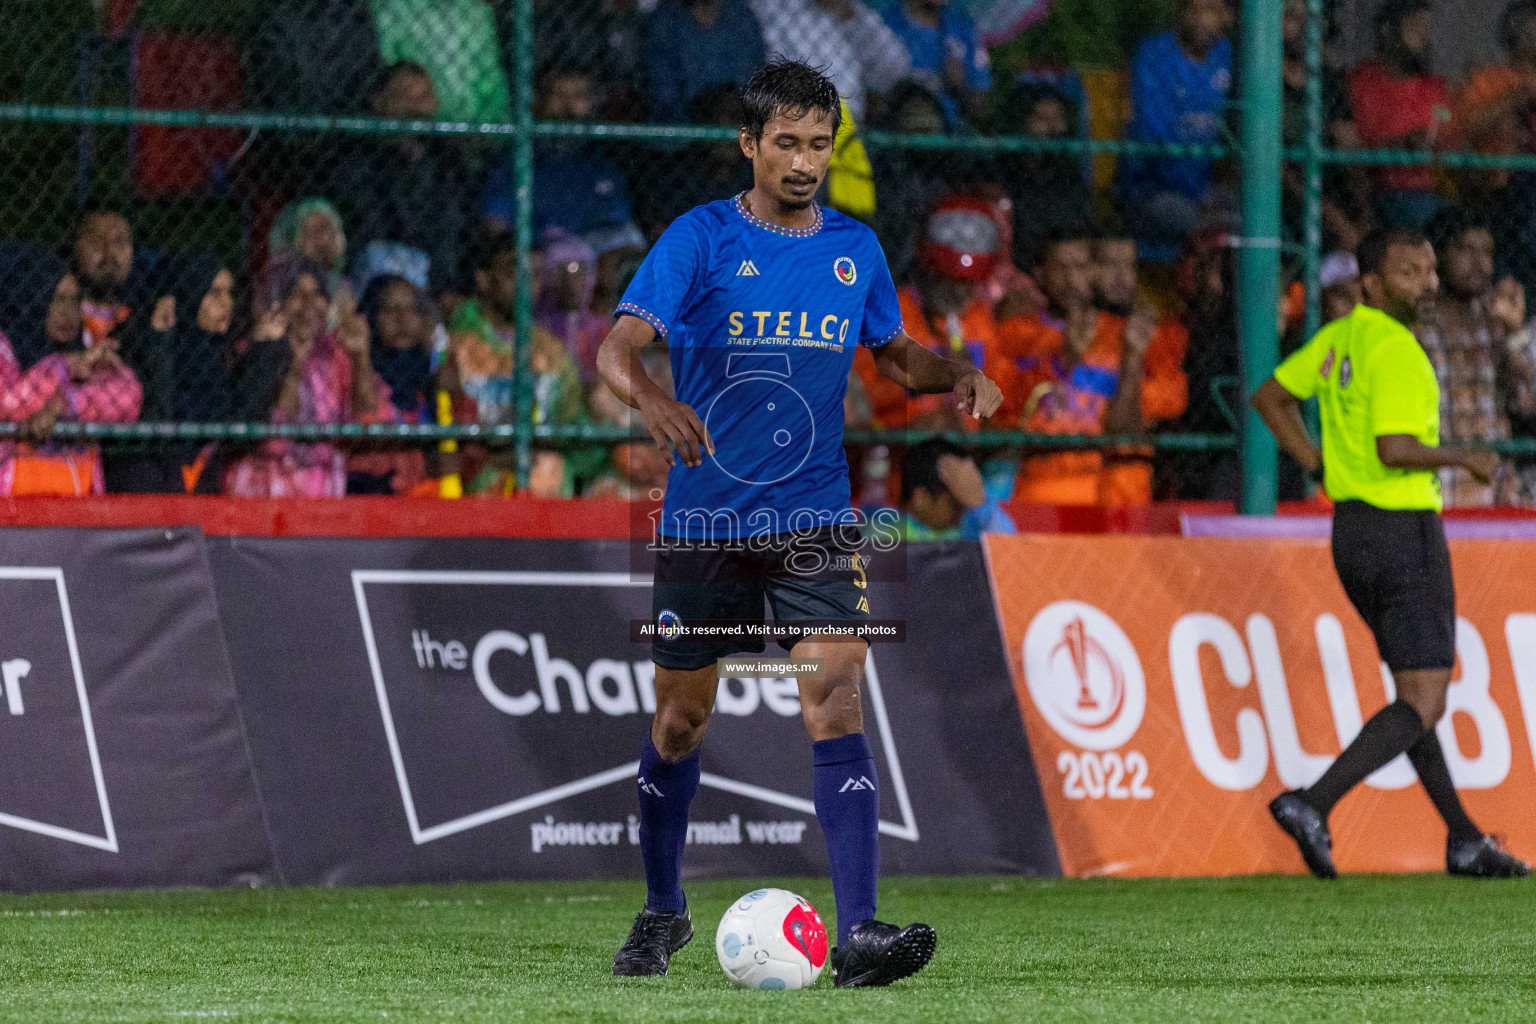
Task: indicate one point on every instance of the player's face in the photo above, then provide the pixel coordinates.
(791, 159)
(1407, 275)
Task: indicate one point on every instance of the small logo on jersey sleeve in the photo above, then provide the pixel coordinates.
(747, 269)
(1327, 366)
(845, 270)
(1346, 371)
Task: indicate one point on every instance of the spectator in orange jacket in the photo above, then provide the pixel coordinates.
(1077, 369)
(1496, 110)
(1117, 290)
(947, 310)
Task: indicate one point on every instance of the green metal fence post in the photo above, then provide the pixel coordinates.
(522, 375)
(1312, 213)
(1258, 260)
(1312, 169)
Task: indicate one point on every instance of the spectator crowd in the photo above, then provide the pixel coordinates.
(381, 284)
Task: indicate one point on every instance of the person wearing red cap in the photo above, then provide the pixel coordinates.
(1075, 369)
(945, 309)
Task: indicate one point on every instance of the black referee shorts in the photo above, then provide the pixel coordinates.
(1396, 569)
(814, 576)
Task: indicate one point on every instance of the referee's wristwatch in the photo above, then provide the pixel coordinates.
(1316, 476)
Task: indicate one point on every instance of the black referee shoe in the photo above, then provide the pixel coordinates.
(877, 953)
(651, 943)
(1482, 857)
(1306, 825)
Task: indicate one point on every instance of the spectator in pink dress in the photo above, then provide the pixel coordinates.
(72, 382)
(330, 379)
(565, 299)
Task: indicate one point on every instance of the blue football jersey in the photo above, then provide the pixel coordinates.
(761, 323)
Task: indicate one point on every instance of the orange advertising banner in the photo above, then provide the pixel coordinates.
(1172, 687)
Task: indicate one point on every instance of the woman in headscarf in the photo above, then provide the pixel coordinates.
(400, 325)
(193, 372)
(565, 299)
(313, 229)
(330, 379)
(42, 325)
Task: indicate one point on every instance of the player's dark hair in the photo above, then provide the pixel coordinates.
(1059, 234)
(1373, 249)
(922, 467)
(789, 87)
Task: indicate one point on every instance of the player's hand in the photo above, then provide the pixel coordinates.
(675, 425)
(960, 475)
(977, 395)
(1482, 464)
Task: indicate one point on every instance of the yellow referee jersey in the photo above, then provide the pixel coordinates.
(1371, 378)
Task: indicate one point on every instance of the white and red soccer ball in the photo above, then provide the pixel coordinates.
(771, 939)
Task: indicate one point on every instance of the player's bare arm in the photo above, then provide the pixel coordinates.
(1281, 412)
(1404, 451)
(673, 424)
(915, 368)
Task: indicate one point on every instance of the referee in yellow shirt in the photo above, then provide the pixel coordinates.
(1380, 407)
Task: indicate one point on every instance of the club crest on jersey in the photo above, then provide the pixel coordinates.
(1327, 366)
(669, 625)
(1346, 371)
(845, 270)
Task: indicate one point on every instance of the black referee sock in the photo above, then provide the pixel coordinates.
(1390, 732)
(1428, 759)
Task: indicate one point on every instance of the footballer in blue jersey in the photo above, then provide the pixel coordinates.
(761, 300)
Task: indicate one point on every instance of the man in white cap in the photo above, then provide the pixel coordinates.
(1339, 281)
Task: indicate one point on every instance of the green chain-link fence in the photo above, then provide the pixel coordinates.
(476, 180)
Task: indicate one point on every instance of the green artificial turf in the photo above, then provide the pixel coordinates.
(1414, 949)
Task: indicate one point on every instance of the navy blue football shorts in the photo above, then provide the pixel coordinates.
(808, 578)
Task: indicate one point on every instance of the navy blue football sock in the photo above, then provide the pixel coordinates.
(666, 790)
(848, 806)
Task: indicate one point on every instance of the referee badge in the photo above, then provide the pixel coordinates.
(1327, 366)
(1346, 371)
(845, 270)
